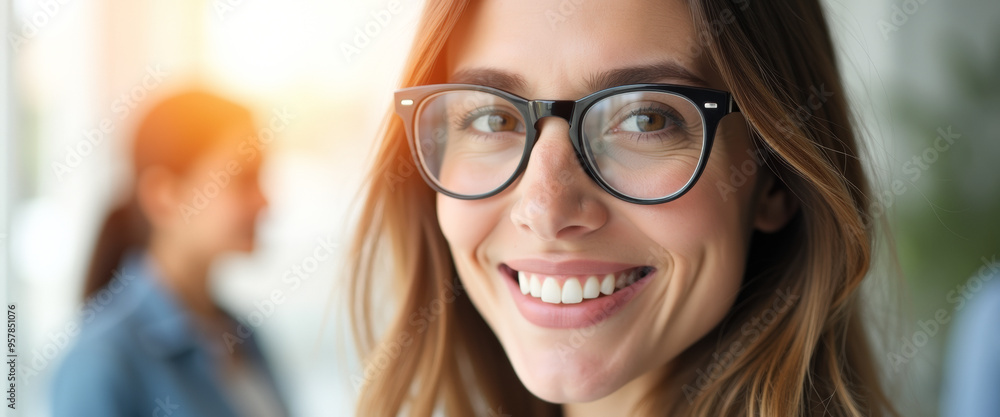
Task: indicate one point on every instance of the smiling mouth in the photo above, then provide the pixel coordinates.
(574, 289)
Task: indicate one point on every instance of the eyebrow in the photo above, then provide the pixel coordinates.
(645, 74)
(515, 83)
(490, 77)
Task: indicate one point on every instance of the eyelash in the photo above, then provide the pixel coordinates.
(465, 121)
(671, 116)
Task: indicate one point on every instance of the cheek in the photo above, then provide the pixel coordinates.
(713, 216)
(716, 215)
(216, 220)
(238, 212)
(230, 209)
(471, 227)
(467, 224)
(704, 235)
(701, 239)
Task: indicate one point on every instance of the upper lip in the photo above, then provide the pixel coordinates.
(568, 267)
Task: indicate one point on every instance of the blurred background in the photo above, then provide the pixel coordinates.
(915, 70)
(69, 65)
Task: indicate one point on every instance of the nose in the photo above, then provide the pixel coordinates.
(557, 200)
(258, 199)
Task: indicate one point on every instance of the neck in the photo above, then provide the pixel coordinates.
(627, 398)
(185, 274)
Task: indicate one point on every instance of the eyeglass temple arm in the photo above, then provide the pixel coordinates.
(733, 107)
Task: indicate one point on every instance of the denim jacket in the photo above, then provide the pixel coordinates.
(140, 354)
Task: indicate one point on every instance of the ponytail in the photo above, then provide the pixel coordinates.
(123, 229)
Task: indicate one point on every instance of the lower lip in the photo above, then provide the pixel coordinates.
(573, 316)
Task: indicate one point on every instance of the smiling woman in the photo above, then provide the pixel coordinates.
(574, 187)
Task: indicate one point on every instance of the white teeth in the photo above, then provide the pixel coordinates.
(572, 293)
(608, 284)
(550, 291)
(592, 288)
(536, 287)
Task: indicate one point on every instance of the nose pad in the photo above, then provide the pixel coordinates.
(556, 201)
(563, 109)
(541, 110)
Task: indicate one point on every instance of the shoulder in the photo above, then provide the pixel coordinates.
(101, 369)
(983, 307)
(972, 369)
(108, 320)
(95, 377)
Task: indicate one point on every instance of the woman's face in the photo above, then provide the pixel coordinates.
(219, 198)
(555, 222)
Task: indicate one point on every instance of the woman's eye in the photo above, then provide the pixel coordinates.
(644, 122)
(495, 122)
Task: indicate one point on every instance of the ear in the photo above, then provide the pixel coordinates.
(774, 204)
(156, 191)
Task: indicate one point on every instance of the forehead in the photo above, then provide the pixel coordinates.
(558, 47)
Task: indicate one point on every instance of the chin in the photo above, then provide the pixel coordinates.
(564, 374)
(574, 352)
(246, 247)
(247, 242)
(572, 387)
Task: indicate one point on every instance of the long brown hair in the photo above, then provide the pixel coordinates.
(172, 135)
(815, 359)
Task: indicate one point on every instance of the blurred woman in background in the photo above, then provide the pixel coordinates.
(161, 345)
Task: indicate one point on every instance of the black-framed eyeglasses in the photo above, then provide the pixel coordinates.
(643, 143)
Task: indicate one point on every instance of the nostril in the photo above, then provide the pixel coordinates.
(571, 231)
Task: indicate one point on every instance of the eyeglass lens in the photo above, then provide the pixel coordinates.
(644, 144)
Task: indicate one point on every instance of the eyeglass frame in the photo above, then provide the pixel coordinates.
(713, 105)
